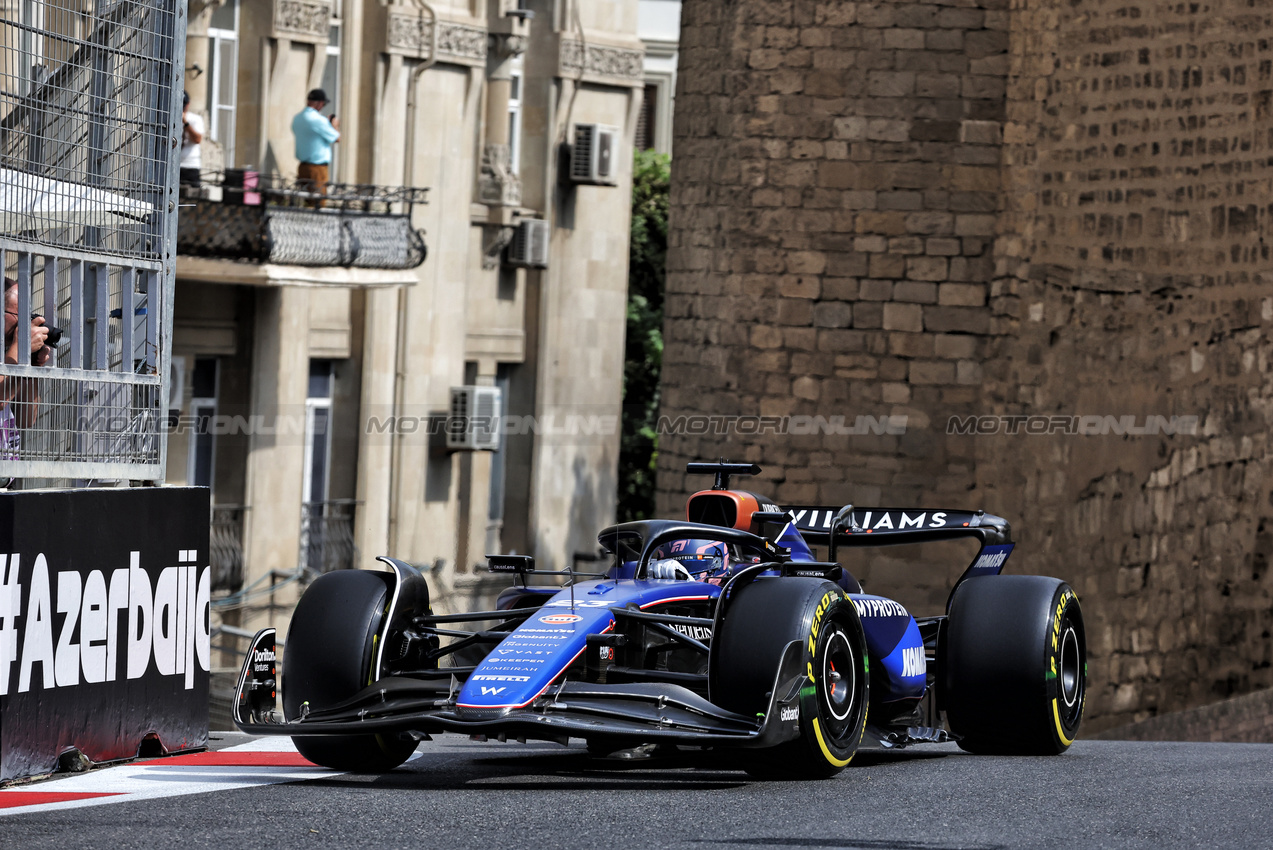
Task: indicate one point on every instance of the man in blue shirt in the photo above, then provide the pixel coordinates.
(315, 136)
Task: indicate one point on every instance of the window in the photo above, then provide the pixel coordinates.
(646, 119)
(515, 117)
(331, 82)
(223, 72)
(318, 413)
(320, 551)
(203, 407)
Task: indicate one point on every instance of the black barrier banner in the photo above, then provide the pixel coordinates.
(104, 623)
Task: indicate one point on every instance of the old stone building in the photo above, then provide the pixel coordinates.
(1039, 232)
(327, 348)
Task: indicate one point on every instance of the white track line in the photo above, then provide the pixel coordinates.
(153, 779)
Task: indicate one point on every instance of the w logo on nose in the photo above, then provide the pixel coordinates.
(488, 692)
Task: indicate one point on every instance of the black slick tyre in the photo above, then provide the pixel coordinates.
(765, 616)
(328, 658)
(1014, 677)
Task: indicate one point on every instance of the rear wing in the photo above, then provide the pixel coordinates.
(862, 527)
(890, 526)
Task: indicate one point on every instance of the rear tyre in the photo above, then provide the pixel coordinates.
(762, 619)
(1015, 673)
(328, 658)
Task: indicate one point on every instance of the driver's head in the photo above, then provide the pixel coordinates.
(705, 560)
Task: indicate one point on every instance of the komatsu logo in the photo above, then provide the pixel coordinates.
(990, 559)
(913, 661)
(164, 623)
(990, 562)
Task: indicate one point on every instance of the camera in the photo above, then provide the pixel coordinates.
(55, 334)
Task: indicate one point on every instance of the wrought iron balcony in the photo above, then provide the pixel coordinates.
(225, 540)
(239, 215)
(327, 536)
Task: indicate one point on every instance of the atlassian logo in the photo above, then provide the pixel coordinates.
(560, 618)
(166, 622)
(913, 662)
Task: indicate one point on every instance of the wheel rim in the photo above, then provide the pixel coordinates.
(1070, 673)
(839, 671)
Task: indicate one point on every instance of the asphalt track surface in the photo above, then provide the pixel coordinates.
(459, 794)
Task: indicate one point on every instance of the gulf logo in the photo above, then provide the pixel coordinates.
(560, 618)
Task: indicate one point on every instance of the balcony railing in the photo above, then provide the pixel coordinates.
(269, 219)
(226, 545)
(327, 536)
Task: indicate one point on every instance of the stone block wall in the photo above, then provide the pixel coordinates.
(945, 210)
(835, 189)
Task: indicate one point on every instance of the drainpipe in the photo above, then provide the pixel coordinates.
(408, 177)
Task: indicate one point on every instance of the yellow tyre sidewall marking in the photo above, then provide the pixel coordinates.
(831, 758)
(826, 751)
(1061, 607)
(1060, 730)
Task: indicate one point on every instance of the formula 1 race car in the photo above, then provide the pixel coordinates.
(722, 631)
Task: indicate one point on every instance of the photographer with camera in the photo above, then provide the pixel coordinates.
(20, 397)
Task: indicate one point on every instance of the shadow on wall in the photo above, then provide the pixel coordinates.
(591, 508)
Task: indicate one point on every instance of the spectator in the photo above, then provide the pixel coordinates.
(19, 397)
(315, 136)
(191, 136)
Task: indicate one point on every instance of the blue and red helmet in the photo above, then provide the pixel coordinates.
(705, 560)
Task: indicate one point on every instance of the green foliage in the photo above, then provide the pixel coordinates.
(647, 258)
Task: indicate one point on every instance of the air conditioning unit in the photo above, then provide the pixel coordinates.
(592, 159)
(530, 244)
(474, 421)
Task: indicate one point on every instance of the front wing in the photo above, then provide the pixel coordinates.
(648, 711)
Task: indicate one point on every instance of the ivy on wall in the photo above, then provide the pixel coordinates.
(647, 257)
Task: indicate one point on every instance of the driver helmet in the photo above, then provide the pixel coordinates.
(704, 560)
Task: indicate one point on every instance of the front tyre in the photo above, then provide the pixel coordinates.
(329, 657)
(1015, 673)
(762, 619)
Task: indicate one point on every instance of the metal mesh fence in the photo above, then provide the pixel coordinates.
(83, 123)
(88, 135)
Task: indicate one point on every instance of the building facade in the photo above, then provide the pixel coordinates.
(1036, 234)
(326, 352)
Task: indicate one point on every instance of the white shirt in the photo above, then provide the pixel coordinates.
(190, 154)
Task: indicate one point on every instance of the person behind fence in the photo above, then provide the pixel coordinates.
(191, 136)
(315, 136)
(19, 397)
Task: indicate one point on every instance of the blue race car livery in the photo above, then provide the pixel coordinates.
(724, 630)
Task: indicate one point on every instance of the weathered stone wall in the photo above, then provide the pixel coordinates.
(940, 210)
(1247, 719)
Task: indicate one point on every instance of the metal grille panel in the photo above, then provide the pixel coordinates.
(88, 152)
